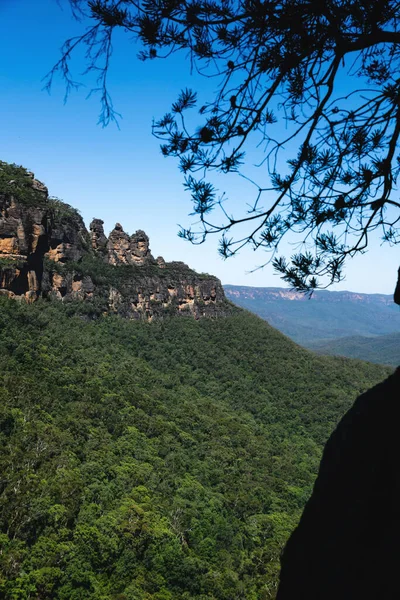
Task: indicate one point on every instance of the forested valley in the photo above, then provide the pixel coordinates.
(156, 461)
(158, 442)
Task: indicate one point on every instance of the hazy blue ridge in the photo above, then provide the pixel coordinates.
(363, 326)
(327, 315)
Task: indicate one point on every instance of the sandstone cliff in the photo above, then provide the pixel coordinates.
(47, 252)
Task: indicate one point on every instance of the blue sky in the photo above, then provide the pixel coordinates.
(120, 175)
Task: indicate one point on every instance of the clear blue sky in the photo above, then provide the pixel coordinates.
(120, 175)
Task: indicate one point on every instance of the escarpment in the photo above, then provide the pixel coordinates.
(47, 252)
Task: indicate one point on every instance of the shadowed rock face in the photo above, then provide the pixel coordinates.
(346, 546)
(67, 237)
(20, 229)
(22, 239)
(46, 251)
(97, 236)
(140, 250)
(397, 290)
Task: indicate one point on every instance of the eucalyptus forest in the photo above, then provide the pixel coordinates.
(157, 441)
(165, 460)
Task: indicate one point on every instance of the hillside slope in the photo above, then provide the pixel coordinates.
(156, 461)
(384, 349)
(326, 316)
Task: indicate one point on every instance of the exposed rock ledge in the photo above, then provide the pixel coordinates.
(46, 251)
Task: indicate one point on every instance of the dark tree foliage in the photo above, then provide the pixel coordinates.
(319, 76)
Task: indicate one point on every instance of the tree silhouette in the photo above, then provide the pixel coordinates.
(319, 76)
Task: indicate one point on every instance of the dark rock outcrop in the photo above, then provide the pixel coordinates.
(46, 251)
(346, 545)
(68, 238)
(97, 237)
(397, 290)
(22, 233)
(140, 250)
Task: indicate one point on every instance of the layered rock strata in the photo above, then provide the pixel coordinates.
(46, 251)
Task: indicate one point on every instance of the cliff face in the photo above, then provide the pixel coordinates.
(46, 251)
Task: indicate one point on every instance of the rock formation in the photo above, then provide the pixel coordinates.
(97, 237)
(46, 251)
(346, 544)
(118, 246)
(397, 290)
(67, 236)
(128, 250)
(22, 233)
(140, 251)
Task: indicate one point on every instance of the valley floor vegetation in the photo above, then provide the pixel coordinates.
(156, 461)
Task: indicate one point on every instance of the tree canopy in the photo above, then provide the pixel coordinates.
(156, 461)
(314, 83)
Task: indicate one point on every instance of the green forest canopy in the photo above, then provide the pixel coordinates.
(162, 461)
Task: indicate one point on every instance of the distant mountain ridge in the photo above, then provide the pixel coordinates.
(273, 293)
(325, 317)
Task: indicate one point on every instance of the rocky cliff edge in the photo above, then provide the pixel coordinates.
(47, 252)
